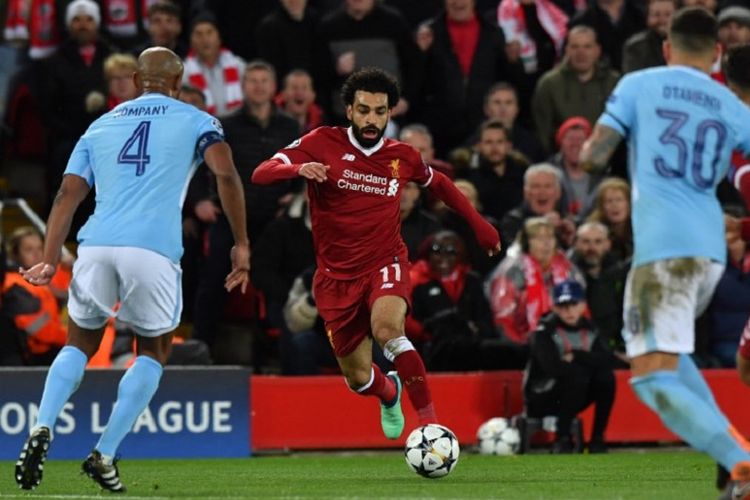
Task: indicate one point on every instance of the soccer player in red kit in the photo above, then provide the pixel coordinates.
(361, 286)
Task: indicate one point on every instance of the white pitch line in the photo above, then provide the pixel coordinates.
(30, 495)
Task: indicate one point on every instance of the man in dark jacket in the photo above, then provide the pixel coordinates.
(644, 49)
(364, 33)
(569, 369)
(614, 22)
(285, 37)
(465, 57)
(73, 90)
(255, 133)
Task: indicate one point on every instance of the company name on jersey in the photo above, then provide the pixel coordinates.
(367, 183)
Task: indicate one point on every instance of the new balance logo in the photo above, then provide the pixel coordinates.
(386, 286)
(348, 157)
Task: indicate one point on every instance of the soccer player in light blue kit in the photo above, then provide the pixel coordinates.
(681, 128)
(140, 156)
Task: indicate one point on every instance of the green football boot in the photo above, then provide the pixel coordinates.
(391, 416)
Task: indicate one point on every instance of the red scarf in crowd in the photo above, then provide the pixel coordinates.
(453, 284)
(512, 21)
(120, 16)
(231, 69)
(35, 21)
(538, 296)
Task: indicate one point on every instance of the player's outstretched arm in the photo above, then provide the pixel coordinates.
(442, 187)
(598, 149)
(275, 170)
(218, 157)
(72, 192)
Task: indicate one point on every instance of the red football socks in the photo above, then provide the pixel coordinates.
(381, 386)
(414, 377)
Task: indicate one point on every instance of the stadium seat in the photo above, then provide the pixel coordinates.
(542, 430)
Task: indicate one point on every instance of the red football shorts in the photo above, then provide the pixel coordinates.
(345, 305)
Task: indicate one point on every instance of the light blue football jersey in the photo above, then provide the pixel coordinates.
(681, 128)
(140, 157)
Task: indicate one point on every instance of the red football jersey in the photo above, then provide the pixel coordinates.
(356, 212)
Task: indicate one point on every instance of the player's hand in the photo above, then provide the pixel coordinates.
(240, 274)
(40, 274)
(314, 171)
(346, 63)
(207, 211)
(494, 251)
(424, 37)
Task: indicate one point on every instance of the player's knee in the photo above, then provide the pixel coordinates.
(356, 378)
(383, 332)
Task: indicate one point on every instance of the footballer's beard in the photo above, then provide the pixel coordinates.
(368, 135)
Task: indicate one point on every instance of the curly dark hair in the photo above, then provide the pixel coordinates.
(373, 80)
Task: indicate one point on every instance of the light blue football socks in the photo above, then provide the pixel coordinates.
(690, 416)
(63, 378)
(136, 389)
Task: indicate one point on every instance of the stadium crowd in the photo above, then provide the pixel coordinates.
(500, 96)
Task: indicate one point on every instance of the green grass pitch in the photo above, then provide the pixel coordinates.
(663, 475)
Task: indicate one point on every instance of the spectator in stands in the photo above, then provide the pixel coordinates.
(297, 99)
(520, 288)
(164, 28)
(542, 195)
(498, 176)
(501, 104)
(212, 68)
(200, 210)
(730, 305)
(35, 309)
(605, 282)
(359, 34)
(419, 137)
(579, 86)
(255, 133)
(125, 22)
(476, 256)
(612, 208)
(38, 25)
(535, 32)
(118, 70)
(237, 22)
(416, 224)
(73, 91)
(310, 352)
(709, 5)
(644, 49)
(614, 22)
(734, 27)
(285, 38)
(280, 255)
(570, 368)
(449, 308)
(578, 186)
(465, 56)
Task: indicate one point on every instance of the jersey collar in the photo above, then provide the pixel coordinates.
(365, 151)
(693, 71)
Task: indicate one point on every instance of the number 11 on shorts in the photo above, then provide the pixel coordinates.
(396, 272)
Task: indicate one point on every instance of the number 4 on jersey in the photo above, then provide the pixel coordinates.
(135, 150)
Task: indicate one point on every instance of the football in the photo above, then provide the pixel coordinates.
(432, 451)
(497, 437)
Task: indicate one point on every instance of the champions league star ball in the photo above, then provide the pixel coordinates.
(497, 437)
(432, 451)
